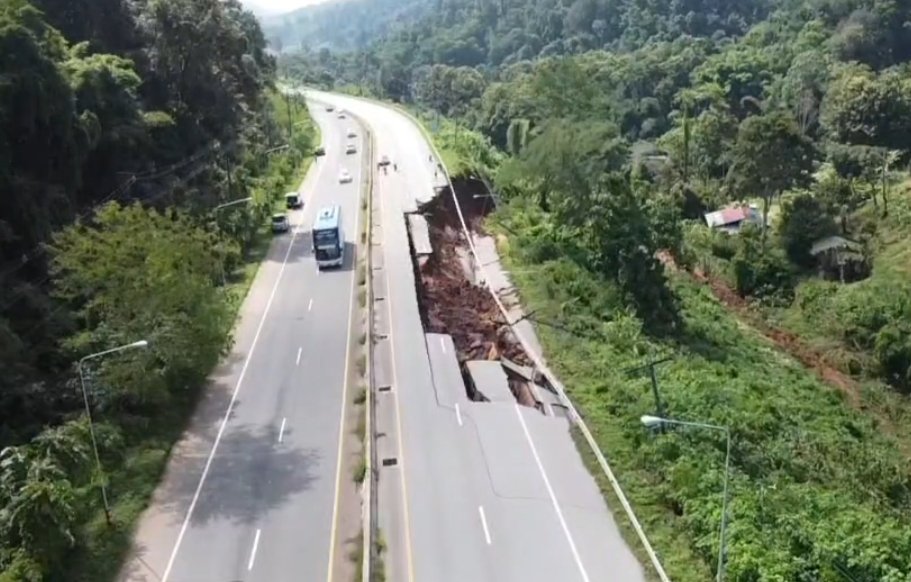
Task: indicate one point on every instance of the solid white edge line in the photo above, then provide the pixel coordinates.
(299, 352)
(224, 421)
(484, 524)
(341, 425)
(281, 431)
(553, 498)
(253, 550)
(458, 413)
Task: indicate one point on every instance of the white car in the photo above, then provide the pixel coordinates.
(351, 133)
(344, 177)
(350, 149)
(341, 115)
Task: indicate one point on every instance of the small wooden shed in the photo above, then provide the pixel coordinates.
(841, 258)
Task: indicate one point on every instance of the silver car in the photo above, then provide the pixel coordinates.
(344, 177)
(280, 223)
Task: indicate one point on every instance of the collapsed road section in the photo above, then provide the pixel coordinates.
(454, 301)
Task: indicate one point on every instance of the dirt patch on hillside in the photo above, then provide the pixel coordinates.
(784, 340)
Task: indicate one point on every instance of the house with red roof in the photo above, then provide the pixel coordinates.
(731, 219)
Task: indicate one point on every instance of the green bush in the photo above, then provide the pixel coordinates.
(875, 316)
(804, 220)
(763, 273)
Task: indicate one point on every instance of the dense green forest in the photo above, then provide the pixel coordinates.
(125, 123)
(609, 127)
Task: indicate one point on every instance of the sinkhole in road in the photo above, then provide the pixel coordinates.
(451, 301)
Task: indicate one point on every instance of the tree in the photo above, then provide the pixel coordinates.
(758, 270)
(708, 149)
(37, 499)
(452, 91)
(140, 273)
(804, 220)
(770, 156)
(623, 236)
(41, 514)
(565, 160)
(868, 164)
(517, 136)
(863, 108)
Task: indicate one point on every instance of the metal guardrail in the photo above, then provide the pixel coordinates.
(551, 377)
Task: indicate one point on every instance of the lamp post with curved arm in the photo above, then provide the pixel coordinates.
(657, 421)
(88, 413)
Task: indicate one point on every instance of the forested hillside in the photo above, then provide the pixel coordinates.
(495, 32)
(609, 129)
(123, 124)
(340, 24)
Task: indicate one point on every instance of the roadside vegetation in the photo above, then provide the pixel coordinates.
(609, 130)
(125, 126)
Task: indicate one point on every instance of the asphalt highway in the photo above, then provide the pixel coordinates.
(479, 491)
(251, 491)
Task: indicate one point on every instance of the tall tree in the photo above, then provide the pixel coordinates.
(140, 273)
(565, 160)
(770, 156)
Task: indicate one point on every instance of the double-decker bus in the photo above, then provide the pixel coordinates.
(328, 237)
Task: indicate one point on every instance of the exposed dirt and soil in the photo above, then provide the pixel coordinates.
(798, 349)
(784, 340)
(451, 303)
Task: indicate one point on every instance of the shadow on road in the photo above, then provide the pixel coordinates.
(250, 474)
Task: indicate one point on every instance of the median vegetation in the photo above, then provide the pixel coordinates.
(144, 119)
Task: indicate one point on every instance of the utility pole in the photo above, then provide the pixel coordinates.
(659, 406)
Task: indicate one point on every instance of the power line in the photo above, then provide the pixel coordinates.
(39, 249)
(195, 172)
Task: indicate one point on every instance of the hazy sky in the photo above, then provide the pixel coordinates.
(278, 6)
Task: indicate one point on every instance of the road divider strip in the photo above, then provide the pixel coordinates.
(333, 537)
(369, 508)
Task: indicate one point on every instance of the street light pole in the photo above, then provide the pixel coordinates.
(88, 413)
(224, 280)
(657, 421)
(232, 203)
